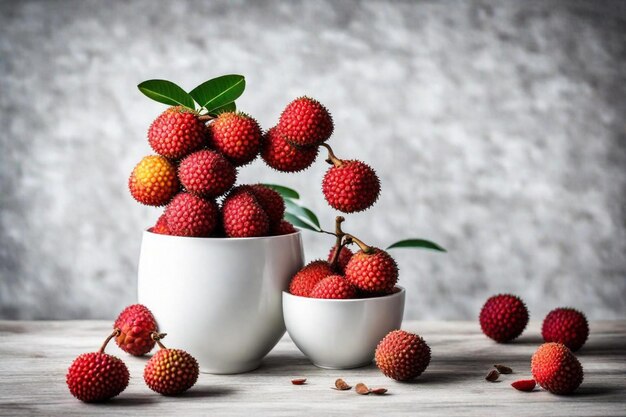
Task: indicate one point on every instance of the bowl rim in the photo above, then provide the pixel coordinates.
(402, 291)
(229, 239)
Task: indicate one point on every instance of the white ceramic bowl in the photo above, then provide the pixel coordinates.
(341, 334)
(218, 298)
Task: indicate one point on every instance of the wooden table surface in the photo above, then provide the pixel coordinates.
(34, 357)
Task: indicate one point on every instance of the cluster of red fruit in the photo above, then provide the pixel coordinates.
(197, 163)
(98, 376)
(565, 330)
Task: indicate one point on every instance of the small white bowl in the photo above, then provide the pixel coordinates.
(218, 298)
(341, 334)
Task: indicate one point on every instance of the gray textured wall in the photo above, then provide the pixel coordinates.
(497, 129)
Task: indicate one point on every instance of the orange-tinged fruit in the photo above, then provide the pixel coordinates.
(402, 355)
(556, 369)
(153, 182)
(171, 371)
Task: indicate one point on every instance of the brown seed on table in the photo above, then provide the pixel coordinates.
(362, 389)
(298, 381)
(504, 370)
(378, 391)
(341, 385)
(492, 376)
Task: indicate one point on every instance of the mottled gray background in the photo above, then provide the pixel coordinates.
(497, 128)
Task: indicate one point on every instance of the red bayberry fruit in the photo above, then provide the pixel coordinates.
(567, 326)
(303, 282)
(177, 132)
(556, 369)
(282, 156)
(243, 215)
(372, 270)
(402, 355)
(161, 226)
(526, 385)
(171, 371)
(503, 317)
(135, 324)
(305, 122)
(344, 257)
(153, 182)
(207, 174)
(97, 376)
(333, 286)
(190, 215)
(237, 136)
(270, 201)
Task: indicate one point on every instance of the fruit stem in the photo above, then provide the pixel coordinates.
(332, 159)
(365, 248)
(338, 243)
(157, 338)
(116, 332)
(205, 117)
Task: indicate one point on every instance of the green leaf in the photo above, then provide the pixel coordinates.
(226, 108)
(166, 92)
(296, 221)
(302, 211)
(219, 91)
(416, 243)
(284, 191)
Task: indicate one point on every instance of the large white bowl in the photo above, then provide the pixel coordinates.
(218, 298)
(341, 334)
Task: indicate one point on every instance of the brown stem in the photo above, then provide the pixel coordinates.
(338, 243)
(205, 117)
(332, 159)
(115, 333)
(157, 338)
(365, 248)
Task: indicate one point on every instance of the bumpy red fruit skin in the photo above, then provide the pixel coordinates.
(192, 216)
(375, 271)
(526, 385)
(171, 372)
(303, 282)
(243, 216)
(305, 122)
(160, 227)
(207, 174)
(153, 181)
(333, 287)
(556, 369)
(344, 257)
(402, 355)
(567, 326)
(96, 377)
(237, 136)
(503, 317)
(177, 132)
(135, 323)
(270, 201)
(351, 187)
(283, 228)
(282, 156)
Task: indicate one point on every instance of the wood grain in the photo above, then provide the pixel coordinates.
(34, 357)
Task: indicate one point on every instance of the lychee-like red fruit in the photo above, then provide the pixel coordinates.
(335, 287)
(97, 376)
(305, 122)
(190, 215)
(243, 215)
(237, 136)
(177, 132)
(153, 181)
(282, 156)
(171, 371)
(556, 369)
(344, 257)
(161, 227)
(567, 326)
(207, 174)
(136, 324)
(270, 201)
(283, 228)
(303, 282)
(503, 317)
(373, 271)
(351, 186)
(402, 355)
